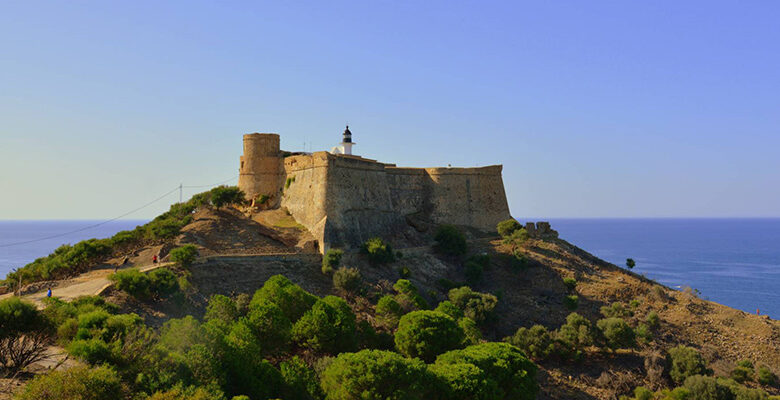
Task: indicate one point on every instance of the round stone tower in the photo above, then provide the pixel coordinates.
(262, 168)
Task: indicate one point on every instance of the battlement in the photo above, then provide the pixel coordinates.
(345, 199)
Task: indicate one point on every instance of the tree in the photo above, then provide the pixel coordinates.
(450, 309)
(226, 195)
(329, 326)
(291, 299)
(426, 334)
(514, 375)
(466, 382)
(377, 374)
(536, 342)
(477, 306)
(184, 255)
(331, 260)
(270, 325)
(24, 336)
(378, 251)
(221, 307)
(630, 263)
(683, 362)
(76, 383)
(388, 312)
(347, 279)
(450, 240)
(301, 381)
(617, 333)
(507, 227)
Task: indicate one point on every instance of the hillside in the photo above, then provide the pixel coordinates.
(239, 251)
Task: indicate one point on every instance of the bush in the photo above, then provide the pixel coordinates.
(630, 263)
(643, 393)
(293, 300)
(471, 333)
(570, 283)
(132, 281)
(76, 383)
(508, 227)
(328, 327)
(706, 388)
(184, 255)
(378, 251)
(226, 195)
(92, 351)
(301, 381)
(404, 273)
(473, 272)
(766, 377)
(347, 279)
(643, 333)
(513, 375)
(741, 374)
(180, 392)
(477, 306)
(571, 301)
(388, 312)
(426, 334)
(683, 362)
(536, 342)
(331, 260)
(245, 372)
(653, 321)
(408, 297)
(573, 336)
(615, 310)
(221, 307)
(617, 333)
(163, 282)
(466, 382)
(25, 334)
(377, 374)
(450, 240)
(450, 309)
(270, 325)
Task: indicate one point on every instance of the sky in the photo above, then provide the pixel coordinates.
(595, 109)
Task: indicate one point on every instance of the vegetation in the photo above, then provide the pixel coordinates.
(450, 241)
(571, 301)
(331, 260)
(570, 283)
(347, 280)
(24, 336)
(160, 282)
(477, 306)
(616, 333)
(683, 362)
(426, 334)
(630, 263)
(184, 255)
(388, 312)
(507, 227)
(329, 327)
(226, 195)
(474, 267)
(77, 383)
(377, 251)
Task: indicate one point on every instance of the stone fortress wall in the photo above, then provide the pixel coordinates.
(344, 200)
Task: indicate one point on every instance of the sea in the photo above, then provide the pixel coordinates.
(735, 262)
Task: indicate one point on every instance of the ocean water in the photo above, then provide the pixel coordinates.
(21, 231)
(735, 262)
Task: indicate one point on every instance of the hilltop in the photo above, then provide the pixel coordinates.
(240, 248)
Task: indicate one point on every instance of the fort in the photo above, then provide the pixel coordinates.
(344, 199)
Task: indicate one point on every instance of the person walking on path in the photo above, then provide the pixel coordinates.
(154, 259)
(48, 293)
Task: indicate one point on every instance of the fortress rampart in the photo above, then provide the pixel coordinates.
(344, 200)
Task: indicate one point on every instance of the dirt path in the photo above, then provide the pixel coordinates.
(93, 282)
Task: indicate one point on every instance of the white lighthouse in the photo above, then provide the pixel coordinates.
(346, 144)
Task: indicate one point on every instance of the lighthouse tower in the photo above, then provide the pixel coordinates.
(346, 144)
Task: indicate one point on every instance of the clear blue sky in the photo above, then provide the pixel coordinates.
(595, 108)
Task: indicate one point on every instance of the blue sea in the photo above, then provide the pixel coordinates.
(735, 262)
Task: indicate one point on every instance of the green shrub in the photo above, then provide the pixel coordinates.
(76, 383)
(477, 306)
(571, 301)
(181, 334)
(643, 334)
(653, 321)
(378, 251)
(466, 382)
(766, 377)
(473, 272)
(227, 195)
(450, 240)
(408, 297)
(450, 309)
(706, 388)
(377, 374)
(683, 362)
(617, 333)
(329, 326)
(184, 255)
(25, 333)
(347, 279)
(388, 312)
(92, 351)
(535, 342)
(471, 333)
(570, 283)
(132, 281)
(573, 336)
(245, 372)
(180, 392)
(404, 272)
(507, 227)
(300, 381)
(426, 334)
(221, 307)
(643, 393)
(630, 263)
(510, 371)
(118, 326)
(634, 303)
(615, 310)
(741, 374)
(163, 282)
(331, 260)
(293, 300)
(270, 325)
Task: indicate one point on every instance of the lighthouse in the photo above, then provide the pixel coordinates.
(346, 144)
